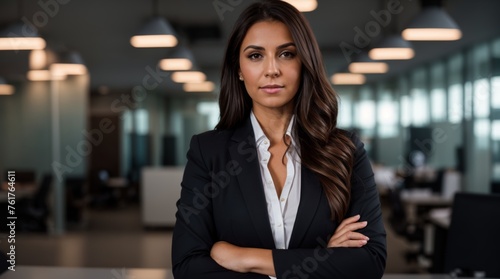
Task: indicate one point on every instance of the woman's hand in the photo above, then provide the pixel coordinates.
(229, 256)
(346, 235)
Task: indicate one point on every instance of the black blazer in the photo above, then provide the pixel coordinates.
(222, 198)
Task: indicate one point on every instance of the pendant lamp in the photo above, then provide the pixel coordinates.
(20, 35)
(181, 59)
(304, 5)
(5, 88)
(432, 24)
(392, 48)
(68, 63)
(346, 78)
(155, 33)
(363, 64)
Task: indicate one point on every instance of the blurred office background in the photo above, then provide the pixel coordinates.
(97, 127)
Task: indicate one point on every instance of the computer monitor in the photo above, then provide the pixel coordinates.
(473, 245)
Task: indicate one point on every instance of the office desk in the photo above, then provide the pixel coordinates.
(436, 235)
(441, 217)
(419, 276)
(45, 272)
(430, 202)
(413, 199)
(22, 191)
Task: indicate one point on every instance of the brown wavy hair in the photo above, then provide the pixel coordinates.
(325, 150)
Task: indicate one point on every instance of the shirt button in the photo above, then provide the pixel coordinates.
(269, 182)
(279, 225)
(282, 199)
(266, 142)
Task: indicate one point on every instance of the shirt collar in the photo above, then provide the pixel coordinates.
(259, 133)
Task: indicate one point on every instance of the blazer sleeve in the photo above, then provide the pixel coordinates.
(365, 262)
(194, 232)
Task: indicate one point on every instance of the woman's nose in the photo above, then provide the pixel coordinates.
(272, 69)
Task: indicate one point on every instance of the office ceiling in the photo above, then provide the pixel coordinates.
(100, 31)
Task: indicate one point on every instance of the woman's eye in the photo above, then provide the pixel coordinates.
(288, 54)
(254, 56)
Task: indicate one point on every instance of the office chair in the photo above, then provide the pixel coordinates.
(437, 185)
(25, 176)
(76, 198)
(413, 233)
(36, 210)
(473, 243)
(4, 265)
(495, 187)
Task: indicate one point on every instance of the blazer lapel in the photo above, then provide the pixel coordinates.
(309, 201)
(244, 152)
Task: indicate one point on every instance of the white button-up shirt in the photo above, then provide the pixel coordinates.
(282, 210)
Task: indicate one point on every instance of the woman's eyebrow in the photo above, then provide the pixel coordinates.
(254, 47)
(285, 45)
(262, 48)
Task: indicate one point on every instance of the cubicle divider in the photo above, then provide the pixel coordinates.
(161, 188)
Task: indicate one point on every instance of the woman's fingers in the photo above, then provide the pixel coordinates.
(346, 236)
(349, 239)
(348, 221)
(350, 227)
(349, 244)
(350, 236)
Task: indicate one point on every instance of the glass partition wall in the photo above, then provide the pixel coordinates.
(495, 113)
(456, 97)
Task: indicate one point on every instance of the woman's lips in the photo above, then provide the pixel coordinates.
(272, 89)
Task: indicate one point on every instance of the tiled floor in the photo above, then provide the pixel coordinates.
(115, 238)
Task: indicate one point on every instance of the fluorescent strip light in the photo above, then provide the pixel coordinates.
(175, 64)
(62, 69)
(6, 89)
(44, 75)
(396, 53)
(431, 34)
(21, 43)
(368, 67)
(39, 75)
(348, 78)
(206, 86)
(304, 5)
(144, 41)
(189, 77)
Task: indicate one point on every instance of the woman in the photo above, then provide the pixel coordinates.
(277, 190)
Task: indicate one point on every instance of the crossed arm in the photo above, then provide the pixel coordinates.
(242, 259)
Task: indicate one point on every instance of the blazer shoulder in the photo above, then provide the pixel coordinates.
(360, 155)
(353, 136)
(212, 143)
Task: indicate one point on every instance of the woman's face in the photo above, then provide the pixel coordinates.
(269, 66)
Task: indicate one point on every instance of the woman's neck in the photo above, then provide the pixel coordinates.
(273, 122)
